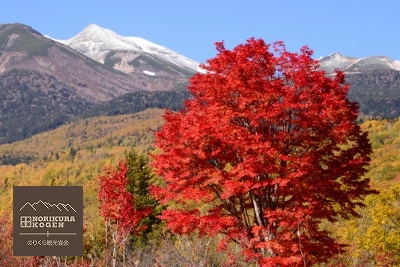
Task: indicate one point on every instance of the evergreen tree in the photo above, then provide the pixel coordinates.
(139, 176)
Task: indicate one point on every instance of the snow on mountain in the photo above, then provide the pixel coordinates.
(353, 65)
(149, 73)
(96, 42)
(378, 62)
(336, 61)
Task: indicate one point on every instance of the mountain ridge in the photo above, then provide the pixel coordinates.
(374, 82)
(45, 84)
(103, 44)
(351, 65)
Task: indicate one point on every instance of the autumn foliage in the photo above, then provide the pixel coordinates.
(117, 202)
(121, 217)
(265, 150)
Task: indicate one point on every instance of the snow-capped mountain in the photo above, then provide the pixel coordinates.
(44, 84)
(374, 82)
(131, 54)
(355, 65)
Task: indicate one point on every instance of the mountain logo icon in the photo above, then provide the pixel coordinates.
(40, 205)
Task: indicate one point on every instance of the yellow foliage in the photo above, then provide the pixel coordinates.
(76, 154)
(374, 237)
(384, 136)
(384, 232)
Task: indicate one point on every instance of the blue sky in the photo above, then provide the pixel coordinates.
(354, 28)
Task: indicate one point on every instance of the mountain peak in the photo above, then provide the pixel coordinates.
(337, 56)
(94, 39)
(93, 26)
(350, 64)
(94, 36)
(20, 37)
(94, 30)
(336, 61)
(97, 42)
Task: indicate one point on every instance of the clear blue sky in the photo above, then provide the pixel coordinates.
(354, 27)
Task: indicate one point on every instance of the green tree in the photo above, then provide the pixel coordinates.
(140, 176)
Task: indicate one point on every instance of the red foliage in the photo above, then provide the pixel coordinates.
(271, 145)
(117, 203)
(6, 255)
(6, 250)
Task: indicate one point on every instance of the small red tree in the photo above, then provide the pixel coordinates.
(271, 145)
(117, 207)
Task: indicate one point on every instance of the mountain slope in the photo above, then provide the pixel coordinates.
(351, 65)
(92, 134)
(374, 82)
(21, 47)
(44, 84)
(138, 101)
(131, 55)
(376, 91)
(32, 102)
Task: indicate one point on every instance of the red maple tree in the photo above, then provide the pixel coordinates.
(117, 207)
(117, 203)
(265, 150)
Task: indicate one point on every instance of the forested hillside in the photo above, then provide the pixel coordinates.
(77, 153)
(45, 84)
(86, 136)
(137, 101)
(376, 91)
(22, 110)
(38, 115)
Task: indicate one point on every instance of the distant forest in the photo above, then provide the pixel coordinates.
(138, 101)
(377, 92)
(24, 113)
(37, 115)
